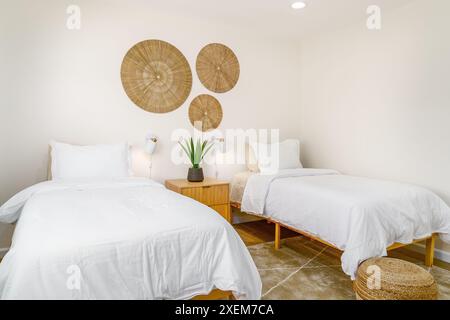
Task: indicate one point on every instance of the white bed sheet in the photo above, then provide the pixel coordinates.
(360, 216)
(129, 239)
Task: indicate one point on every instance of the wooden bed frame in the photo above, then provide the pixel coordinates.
(216, 295)
(429, 242)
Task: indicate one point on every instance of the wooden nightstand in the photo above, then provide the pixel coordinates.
(211, 192)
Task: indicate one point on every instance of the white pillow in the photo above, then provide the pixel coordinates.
(90, 162)
(288, 156)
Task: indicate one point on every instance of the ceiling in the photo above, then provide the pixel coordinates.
(276, 16)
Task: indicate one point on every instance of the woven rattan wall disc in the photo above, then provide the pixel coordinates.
(205, 113)
(156, 76)
(218, 68)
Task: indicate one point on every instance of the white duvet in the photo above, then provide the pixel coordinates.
(128, 239)
(360, 216)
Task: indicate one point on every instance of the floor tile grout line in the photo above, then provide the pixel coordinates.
(323, 266)
(304, 267)
(293, 273)
(274, 269)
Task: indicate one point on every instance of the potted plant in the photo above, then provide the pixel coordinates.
(195, 152)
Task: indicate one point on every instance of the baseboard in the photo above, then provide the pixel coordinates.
(438, 253)
(3, 251)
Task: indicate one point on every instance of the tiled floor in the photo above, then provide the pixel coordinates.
(305, 270)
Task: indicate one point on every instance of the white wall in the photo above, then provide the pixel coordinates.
(65, 85)
(377, 103)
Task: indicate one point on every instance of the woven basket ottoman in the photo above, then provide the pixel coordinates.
(393, 279)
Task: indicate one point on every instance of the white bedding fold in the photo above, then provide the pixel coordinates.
(130, 239)
(360, 216)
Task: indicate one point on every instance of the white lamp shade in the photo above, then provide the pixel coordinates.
(150, 147)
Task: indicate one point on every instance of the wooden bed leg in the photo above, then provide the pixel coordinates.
(429, 251)
(277, 236)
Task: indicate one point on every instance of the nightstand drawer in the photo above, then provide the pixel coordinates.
(211, 192)
(208, 195)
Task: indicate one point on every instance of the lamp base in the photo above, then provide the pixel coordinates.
(195, 175)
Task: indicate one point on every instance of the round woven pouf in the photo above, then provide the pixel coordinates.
(156, 76)
(393, 279)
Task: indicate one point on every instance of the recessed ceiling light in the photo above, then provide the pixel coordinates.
(298, 5)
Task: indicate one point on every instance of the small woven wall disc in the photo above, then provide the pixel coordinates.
(218, 68)
(205, 113)
(156, 76)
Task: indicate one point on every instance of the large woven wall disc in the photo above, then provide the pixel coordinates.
(207, 110)
(156, 76)
(218, 68)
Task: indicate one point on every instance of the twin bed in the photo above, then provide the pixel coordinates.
(115, 237)
(124, 239)
(362, 217)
